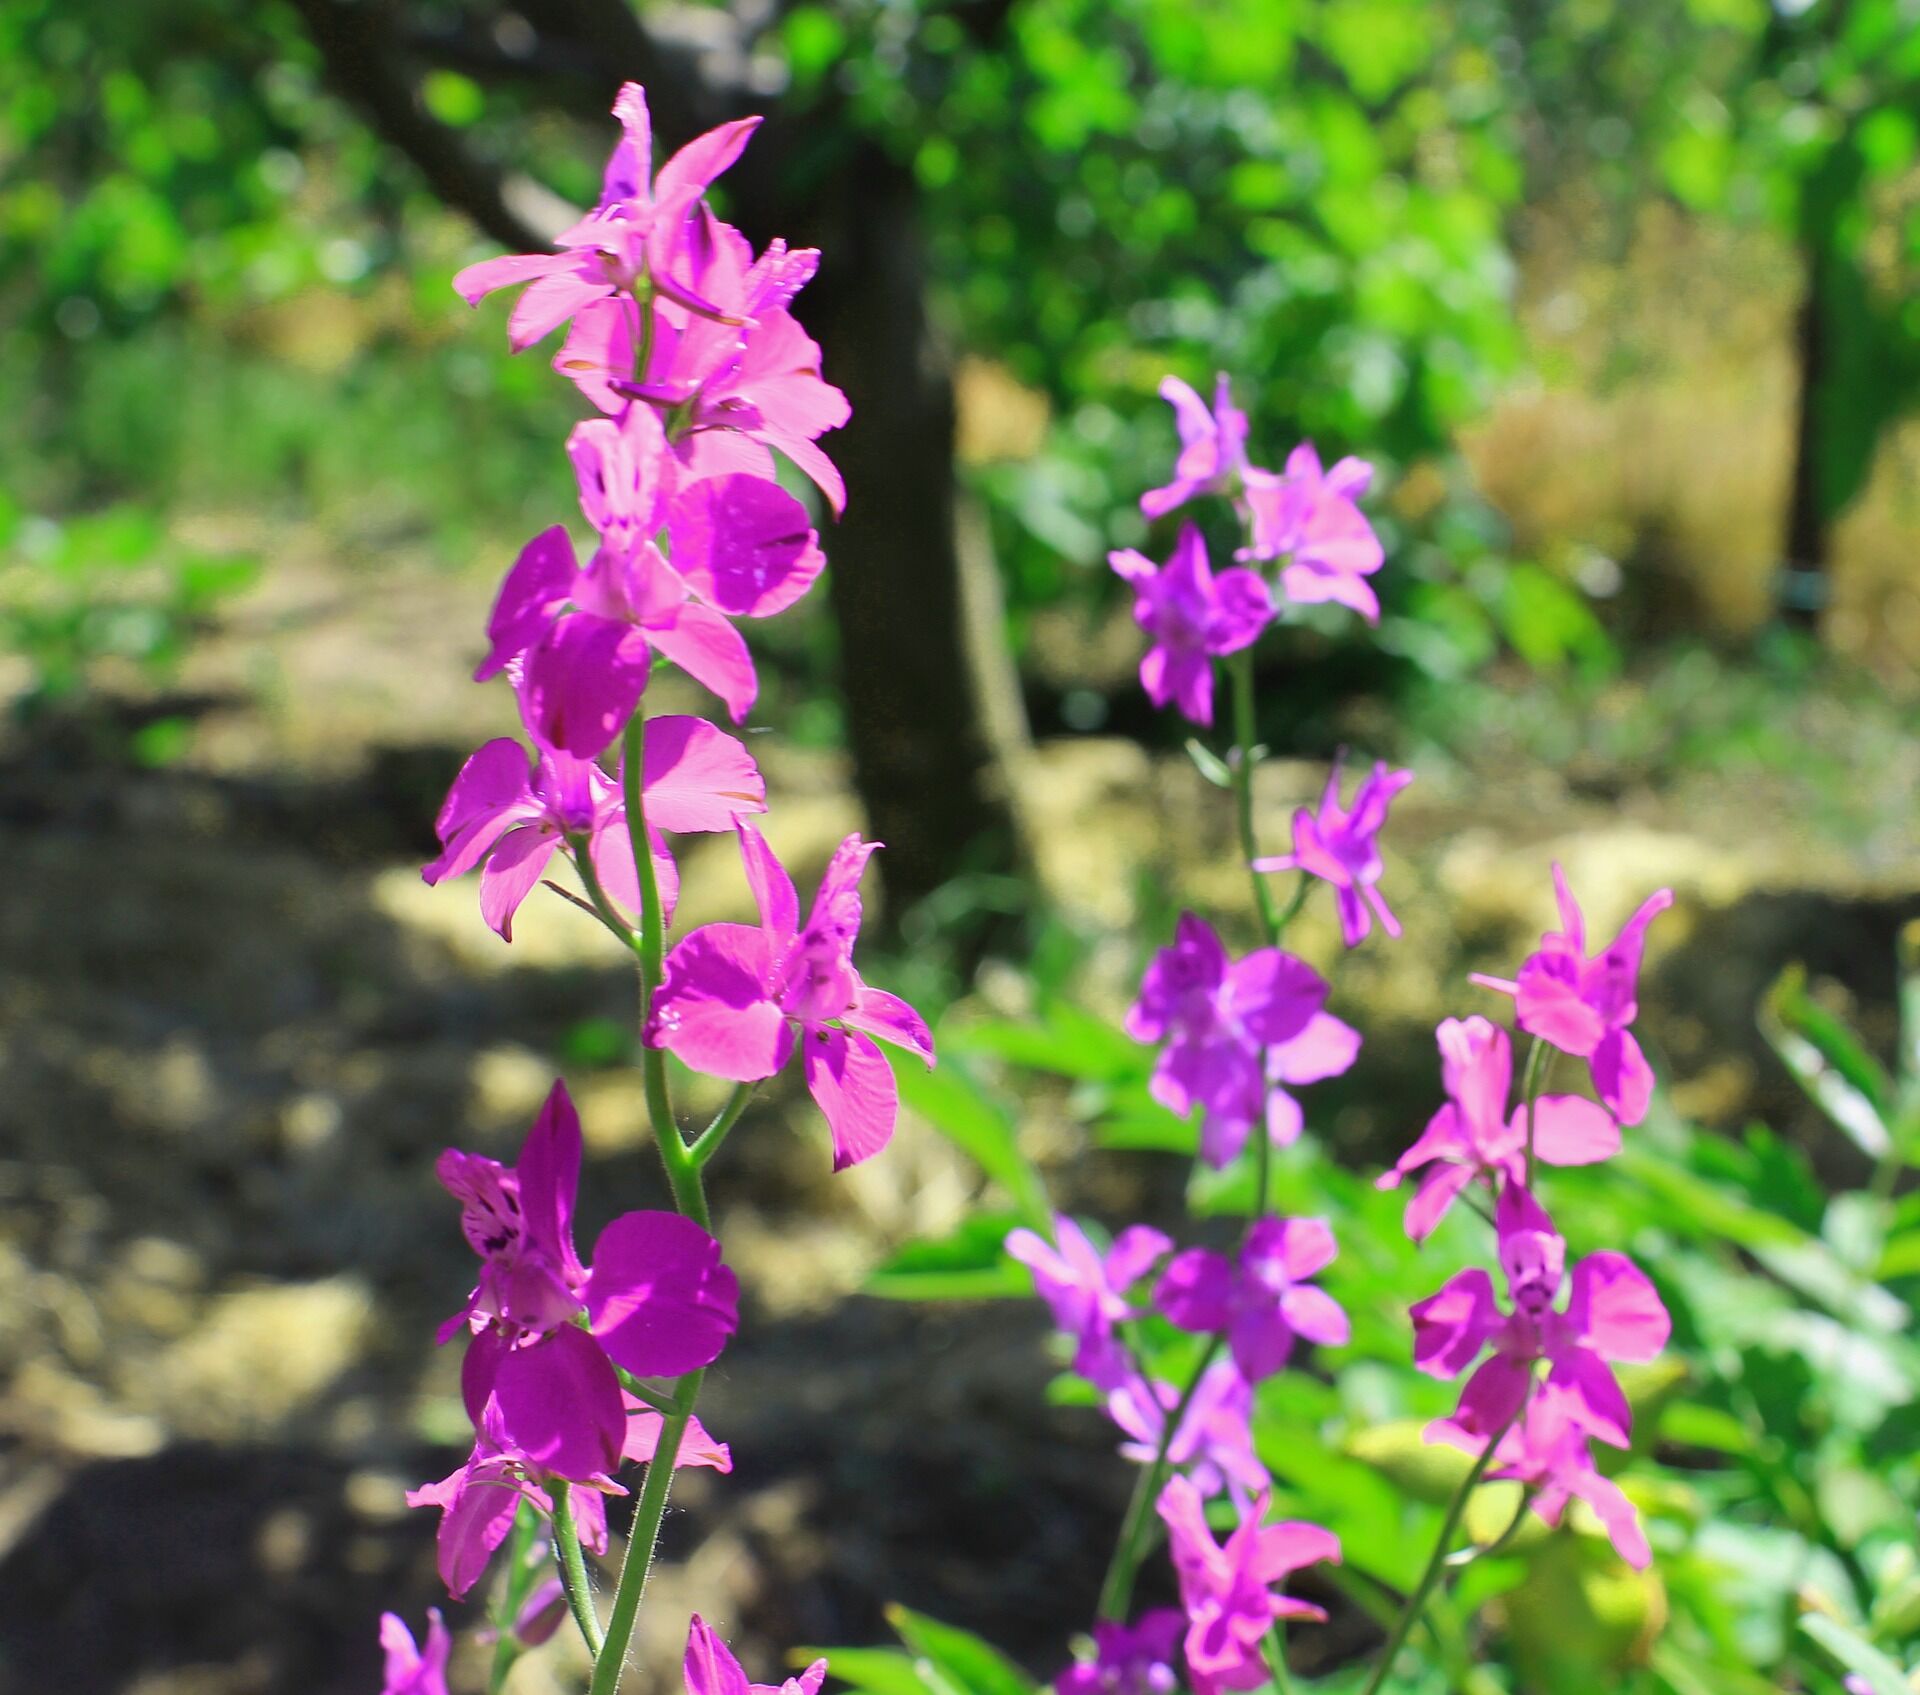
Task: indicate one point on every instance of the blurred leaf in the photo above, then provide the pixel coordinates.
(954, 1105)
(872, 1671)
(1857, 1654)
(972, 1664)
(1828, 1061)
(970, 1264)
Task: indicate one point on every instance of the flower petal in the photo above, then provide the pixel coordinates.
(660, 1300)
(854, 1085)
(712, 1011)
(697, 777)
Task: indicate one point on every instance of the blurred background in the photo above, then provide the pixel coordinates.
(1619, 298)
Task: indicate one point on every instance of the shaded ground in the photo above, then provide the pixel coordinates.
(235, 1028)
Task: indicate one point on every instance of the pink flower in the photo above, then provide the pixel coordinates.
(710, 1669)
(1228, 1590)
(695, 777)
(1135, 1659)
(633, 240)
(1087, 1290)
(1213, 1442)
(1342, 847)
(1473, 1135)
(1612, 1314)
(1547, 1451)
(1583, 1006)
(657, 1300)
(411, 1670)
(1309, 518)
(1213, 445)
(1234, 1032)
(1192, 616)
(727, 390)
(737, 997)
(1264, 1301)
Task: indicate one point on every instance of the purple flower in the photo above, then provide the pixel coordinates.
(1474, 1136)
(414, 1670)
(710, 1669)
(1264, 1301)
(1547, 1451)
(1612, 1314)
(634, 239)
(695, 777)
(1310, 518)
(1227, 1591)
(727, 390)
(1135, 1659)
(1233, 1033)
(657, 1300)
(737, 997)
(1341, 846)
(1213, 1442)
(1088, 1290)
(1583, 1006)
(1213, 446)
(1192, 616)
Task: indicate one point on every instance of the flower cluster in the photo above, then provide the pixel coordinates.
(681, 337)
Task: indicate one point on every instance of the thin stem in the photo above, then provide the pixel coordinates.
(1466, 1556)
(707, 1143)
(603, 908)
(1276, 1647)
(573, 1566)
(1417, 1601)
(513, 1596)
(1530, 1089)
(1116, 1593)
(641, 1392)
(1240, 667)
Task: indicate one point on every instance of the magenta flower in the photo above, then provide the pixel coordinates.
(1583, 1006)
(539, 1617)
(1310, 518)
(737, 997)
(1213, 1442)
(657, 1300)
(1547, 1452)
(1228, 1591)
(1474, 1136)
(695, 778)
(633, 241)
(727, 391)
(1135, 1659)
(1341, 846)
(1213, 446)
(1264, 1301)
(412, 1670)
(1087, 1290)
(1613, 1314)
(1192, 616)
(710, 1669)
(1233, 1033)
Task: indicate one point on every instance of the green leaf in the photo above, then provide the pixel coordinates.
(1857, 1654)
(1712, 1210)
(1828, 1062)
(871, 1671)
(974, 1665)
(1209, 764)
(956, 1106)
(968, 1265)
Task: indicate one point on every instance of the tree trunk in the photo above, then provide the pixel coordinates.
(1803, 576)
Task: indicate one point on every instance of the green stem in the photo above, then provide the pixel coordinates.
(1116, 1593)
(604, 909)
(642, 1392)
(707, 1143)
(1530, 1089)
(1276, 1646)
(1467, 1556)
(1240, 666)
(573, 1566)
(520, 1568)
(1417, 1601)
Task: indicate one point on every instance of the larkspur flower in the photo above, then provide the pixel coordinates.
(634, 239)
(709, 1668)
(1213, 445)
(1612, 1315)
(1193, 617)
(1212, 1443)
(1087, 1289)
(1547, 1452)
(414, 1669)
(1228, 1591)
(1310, 518)
(1135, 1659)
(737, 998)
(1341, 846)
(727, 392)
(1475, 1137)
(1584, 1006)
(1261, 1302)
(1234, 1033)
(693, 778)
(657, 1300)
